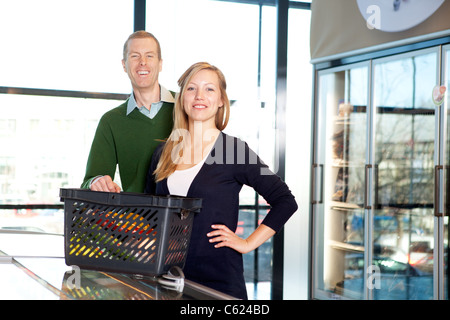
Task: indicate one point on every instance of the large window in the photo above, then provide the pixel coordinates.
(53, 52)
(71, 45)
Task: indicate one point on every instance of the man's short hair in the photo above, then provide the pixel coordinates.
(141, 34)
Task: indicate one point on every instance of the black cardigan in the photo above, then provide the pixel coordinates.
(229, 166)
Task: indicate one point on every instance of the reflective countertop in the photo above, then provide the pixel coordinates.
(32, 267)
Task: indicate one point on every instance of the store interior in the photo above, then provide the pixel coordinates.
(346, 101)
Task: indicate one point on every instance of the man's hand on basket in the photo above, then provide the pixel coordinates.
(105, 184)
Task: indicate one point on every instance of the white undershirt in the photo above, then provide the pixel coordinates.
(180, 181)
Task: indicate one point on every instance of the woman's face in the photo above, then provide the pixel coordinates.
(203, 98)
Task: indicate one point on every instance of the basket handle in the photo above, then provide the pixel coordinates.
(184, 213)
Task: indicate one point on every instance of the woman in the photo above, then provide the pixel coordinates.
(200, 161)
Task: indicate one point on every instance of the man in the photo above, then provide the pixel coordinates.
(128, 135)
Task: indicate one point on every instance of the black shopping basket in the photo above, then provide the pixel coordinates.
(126, 232)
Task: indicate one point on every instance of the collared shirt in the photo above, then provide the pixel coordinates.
(166, 96)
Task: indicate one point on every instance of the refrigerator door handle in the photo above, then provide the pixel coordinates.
(367, 193)
(317, 187)
(437, 191)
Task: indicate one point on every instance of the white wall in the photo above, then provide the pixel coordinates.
(298, 155)
(298, 169)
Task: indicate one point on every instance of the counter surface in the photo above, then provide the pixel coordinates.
(32, 267)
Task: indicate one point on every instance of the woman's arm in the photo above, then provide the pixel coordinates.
(256, 174)
(227, 238)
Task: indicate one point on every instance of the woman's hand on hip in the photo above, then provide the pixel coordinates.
(224, 237)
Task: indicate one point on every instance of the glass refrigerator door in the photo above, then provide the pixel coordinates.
(404, 176)
(442, 258)
(339, 180)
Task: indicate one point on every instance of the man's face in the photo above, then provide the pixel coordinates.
(142, 63)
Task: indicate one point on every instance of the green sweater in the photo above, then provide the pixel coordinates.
(128, 141)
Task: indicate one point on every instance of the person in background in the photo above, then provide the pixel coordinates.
(128, 134)
(198, 160)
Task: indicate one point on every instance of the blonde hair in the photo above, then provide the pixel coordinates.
(174, 144)
(141, 34)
